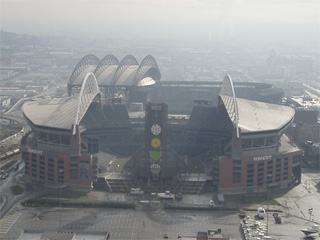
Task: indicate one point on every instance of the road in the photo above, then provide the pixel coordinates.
(14, 178)
(11, 142)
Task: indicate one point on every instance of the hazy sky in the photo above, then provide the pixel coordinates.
(154, 18)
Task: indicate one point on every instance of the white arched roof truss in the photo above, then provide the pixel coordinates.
(89, 90)
(230, 102)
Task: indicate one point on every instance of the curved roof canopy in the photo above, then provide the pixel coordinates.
(253, 116)
(63, 113)
(88, 92)
(229, 99)
(110, 72)
(87, 64)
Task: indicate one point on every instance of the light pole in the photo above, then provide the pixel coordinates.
(60, 174)
(310, 213)
(268, 177)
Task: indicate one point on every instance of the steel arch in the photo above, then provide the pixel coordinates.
(88, 60)
(229, 99)
(146, 64)
(89, 90)
(107, 61)
(125, 63)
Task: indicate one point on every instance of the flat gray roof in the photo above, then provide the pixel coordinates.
(260, 116)
(286, 145)
(58, 236)
(54, 113)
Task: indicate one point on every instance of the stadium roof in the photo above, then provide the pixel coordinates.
(248, 115)
(54, 113)
(110, 72)
(260, 116)
(253, 116)
(63, 113)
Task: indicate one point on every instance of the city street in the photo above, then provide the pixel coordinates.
(8, 200)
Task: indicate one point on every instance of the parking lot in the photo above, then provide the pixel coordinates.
(144, 223)
(153, 221)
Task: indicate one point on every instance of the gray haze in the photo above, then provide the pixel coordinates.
(275, 21)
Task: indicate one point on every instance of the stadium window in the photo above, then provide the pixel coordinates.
(65, 140)
(246, 143)
(260, 173)
(278, 169)
(236, 171)
(236, 178)
(296, 159)
(258, 142)
(271, 141)
(270, 171)
(60, 163)
(42, 137)
(54, 138)
(34, 162)
(250, 174)
(42, 167)
(285, 168)
(74, 168)
(50, 164)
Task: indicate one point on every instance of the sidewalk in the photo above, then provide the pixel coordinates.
(297, 202)
(294, 202)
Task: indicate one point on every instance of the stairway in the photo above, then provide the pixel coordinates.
(184, 186)
(121, 185)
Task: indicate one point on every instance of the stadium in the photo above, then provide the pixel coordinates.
(234, 132)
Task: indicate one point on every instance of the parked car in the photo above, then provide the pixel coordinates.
(261, 212)
(277, 218)
(179, 196)
(242, 214)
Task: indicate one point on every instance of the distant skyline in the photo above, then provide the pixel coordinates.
(173, 19)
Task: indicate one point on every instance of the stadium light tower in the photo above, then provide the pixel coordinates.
(60, 174)
(269, 176)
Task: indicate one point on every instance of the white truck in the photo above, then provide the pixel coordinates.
(261, 212)
(167, 195)
(136, 191)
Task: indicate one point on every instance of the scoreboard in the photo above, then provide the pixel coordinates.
(156, 120)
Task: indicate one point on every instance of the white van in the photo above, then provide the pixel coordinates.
(261, 212)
